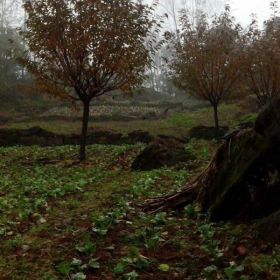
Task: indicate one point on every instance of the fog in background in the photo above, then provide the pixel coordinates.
(242, 10)
(12, 15)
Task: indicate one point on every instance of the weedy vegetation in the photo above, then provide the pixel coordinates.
(69, 217)
(60, 220)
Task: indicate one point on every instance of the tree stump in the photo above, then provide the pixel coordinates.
(242, 179)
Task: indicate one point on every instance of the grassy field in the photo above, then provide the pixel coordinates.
(176, 124)
(63, 220)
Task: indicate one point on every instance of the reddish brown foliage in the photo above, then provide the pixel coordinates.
(84, 49)
(208, 59)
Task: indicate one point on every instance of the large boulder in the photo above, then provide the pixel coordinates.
(163, 151)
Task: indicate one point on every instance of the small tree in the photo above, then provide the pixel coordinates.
(82, 49)
(262, 67)
(208, 59)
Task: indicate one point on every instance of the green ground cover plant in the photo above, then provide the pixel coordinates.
(64, 220)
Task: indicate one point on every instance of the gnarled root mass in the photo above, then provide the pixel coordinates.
(243, 176)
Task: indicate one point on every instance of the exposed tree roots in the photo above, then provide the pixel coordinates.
(237, 174)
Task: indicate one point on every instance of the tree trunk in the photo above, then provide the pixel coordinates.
(223, 188)
(83, 139)
(216, 117)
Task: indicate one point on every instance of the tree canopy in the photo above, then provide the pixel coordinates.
(82, 49)
(208, 58)
(262, 73)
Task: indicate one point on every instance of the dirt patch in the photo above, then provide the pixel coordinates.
(139, 136)
(163, 151)
(207, 133)
(41, 137)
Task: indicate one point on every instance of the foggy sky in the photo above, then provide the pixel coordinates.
(241, 9)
